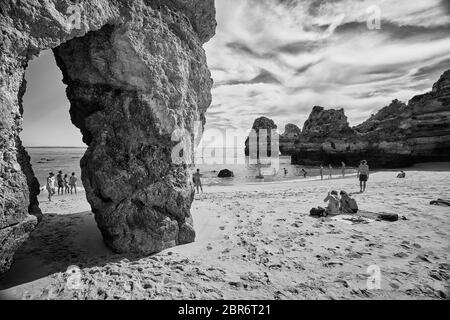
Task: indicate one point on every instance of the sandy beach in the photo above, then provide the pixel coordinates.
(256, 241)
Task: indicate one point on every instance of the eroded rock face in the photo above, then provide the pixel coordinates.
(289, 138)
(136, 73)
(398, 135)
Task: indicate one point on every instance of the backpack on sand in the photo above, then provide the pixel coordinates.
(317, 212)
(353, 205)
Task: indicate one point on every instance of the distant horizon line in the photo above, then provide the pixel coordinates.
(54, 147)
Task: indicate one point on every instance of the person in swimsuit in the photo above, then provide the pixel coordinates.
(333, 204)
(73, 183)
(197, 179)
(66, 184)
(50, 186)
(363, 175)
(60, 182)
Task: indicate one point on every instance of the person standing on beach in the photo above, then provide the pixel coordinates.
(73, 183)
(330, 168)
(60, 181)
(66, 184)
(197, 179)
(50, 186)
(363, 175)
(343, 169)
(321, 172)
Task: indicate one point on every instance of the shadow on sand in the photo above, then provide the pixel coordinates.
(60, 241)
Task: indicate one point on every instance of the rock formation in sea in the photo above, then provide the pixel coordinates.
(289, 138)
(136, 77)
(263, 128)
(225, 173)
(399, 135)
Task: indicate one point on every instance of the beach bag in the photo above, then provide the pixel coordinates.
(391, 217)
(317, 212)
(353, 205)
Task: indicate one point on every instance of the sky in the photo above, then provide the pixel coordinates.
(280, 58)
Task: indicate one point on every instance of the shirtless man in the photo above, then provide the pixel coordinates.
(363, 175)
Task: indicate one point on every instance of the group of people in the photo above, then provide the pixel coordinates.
(61, 182)
(330, 170)
(344, 204)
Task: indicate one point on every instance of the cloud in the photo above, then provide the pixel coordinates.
(279, 58)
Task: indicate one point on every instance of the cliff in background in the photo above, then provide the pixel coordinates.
(399, 135)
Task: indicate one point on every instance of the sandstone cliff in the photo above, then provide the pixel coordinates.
(136, 73)
(398, 135)
(289, 138)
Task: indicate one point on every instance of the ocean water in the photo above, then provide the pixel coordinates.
(45, 160)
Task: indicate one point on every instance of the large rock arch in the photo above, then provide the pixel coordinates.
(135, 72)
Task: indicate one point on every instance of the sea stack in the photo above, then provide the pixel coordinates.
(263, 128)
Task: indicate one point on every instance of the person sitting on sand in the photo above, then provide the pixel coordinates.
(285, 172)
(60, 182)
(363, 175)
(401, 175)
(197, 179)
(73, 183)
(66, 184)
(440, 202)
(348, 204)
(51, 185)
(333, 204)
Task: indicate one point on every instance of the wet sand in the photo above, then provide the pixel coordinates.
(256, 241)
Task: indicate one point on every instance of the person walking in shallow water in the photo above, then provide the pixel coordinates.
(343, 169)
(73, 183)
(330, 168)
(60, 182)
(50, 186)
(197, 179)
(363, 175)
(321, 172)
(66, 184)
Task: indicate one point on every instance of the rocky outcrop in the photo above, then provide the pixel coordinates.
(225, 174)
(136, 74)
(398, 135)
(289, 138)
(263, 128)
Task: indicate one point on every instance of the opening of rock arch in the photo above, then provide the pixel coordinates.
(188, 189)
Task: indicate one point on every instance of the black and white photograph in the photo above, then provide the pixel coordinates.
(225, 150)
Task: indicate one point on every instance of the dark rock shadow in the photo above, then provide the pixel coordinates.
(60, 241)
